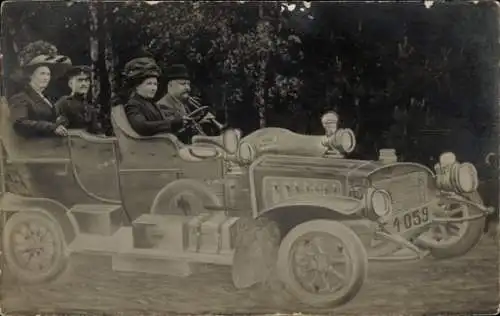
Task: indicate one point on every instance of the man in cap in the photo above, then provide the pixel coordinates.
(79, 113)
(176, 102)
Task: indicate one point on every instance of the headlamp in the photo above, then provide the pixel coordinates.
(454, 176)
(231, 139)
(342, 140)
(246, 153)
(378, 202)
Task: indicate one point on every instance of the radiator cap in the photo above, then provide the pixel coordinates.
(388, 155)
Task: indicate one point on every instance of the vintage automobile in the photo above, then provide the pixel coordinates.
(273, 201)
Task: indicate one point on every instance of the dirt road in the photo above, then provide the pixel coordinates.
(467, 284)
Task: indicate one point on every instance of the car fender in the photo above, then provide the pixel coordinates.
(472, 199)
(12, 203)
(203, 190)
(341, 205)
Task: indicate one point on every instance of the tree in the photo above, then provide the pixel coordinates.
(230, 58)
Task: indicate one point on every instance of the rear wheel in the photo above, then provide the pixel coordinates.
(322, 263)
(34, 247)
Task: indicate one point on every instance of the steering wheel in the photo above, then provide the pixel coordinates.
(199, 113)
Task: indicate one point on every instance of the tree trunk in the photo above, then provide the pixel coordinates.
(260, 101)
(94, 49)
(357, 129)
(260, 93)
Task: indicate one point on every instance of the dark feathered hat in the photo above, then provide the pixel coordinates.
(177, 72)
(141, 68)
(41, 53)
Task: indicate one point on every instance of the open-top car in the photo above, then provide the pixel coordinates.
(271, 201)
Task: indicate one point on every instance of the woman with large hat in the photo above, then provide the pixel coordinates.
(32, 114)
(141, 75)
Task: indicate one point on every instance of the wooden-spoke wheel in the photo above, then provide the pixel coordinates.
(446, 239)
(34, 247)
(322, 263)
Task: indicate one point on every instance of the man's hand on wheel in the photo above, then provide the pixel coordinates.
(187, 121)
(207, 118)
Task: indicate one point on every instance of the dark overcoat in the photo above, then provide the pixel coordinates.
(32, 115)
(78, 112)
(174, 109)
(147, 119)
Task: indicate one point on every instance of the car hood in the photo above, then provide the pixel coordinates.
(273, 140)
(340, 176)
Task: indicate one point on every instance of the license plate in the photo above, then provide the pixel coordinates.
(410, 220)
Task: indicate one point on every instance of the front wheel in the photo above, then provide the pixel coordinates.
(452, 239)
(322, 263)
(34, 247)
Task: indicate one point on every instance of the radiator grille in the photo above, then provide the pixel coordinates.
(407, 191)
(279, 189)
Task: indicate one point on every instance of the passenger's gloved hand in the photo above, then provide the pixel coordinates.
(177, 124)
(61, 131)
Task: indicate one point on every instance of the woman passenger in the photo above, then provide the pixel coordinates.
(143, 115)
(32, 114)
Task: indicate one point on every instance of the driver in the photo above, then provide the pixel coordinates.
(175, 103)
(144, 116)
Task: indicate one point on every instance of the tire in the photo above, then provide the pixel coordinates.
(468, 240)
(13, 230)
(357, 262)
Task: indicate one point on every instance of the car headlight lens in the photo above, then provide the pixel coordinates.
(231, 138)
(246, 153)
(379, 202)
(465, 178)
(343, 140)
(347, 140)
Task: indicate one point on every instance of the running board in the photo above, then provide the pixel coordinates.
(187, 256)
(99, 244)
(121, 244)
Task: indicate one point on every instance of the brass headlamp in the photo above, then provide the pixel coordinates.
(340, 140)
(454, 176)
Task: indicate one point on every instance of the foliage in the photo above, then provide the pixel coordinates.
(227, 47)
(65, 26)
(402, 76)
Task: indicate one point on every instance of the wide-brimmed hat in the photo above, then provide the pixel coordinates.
(77, 70)
(177, 72)
(41, 53)
(141, 68)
